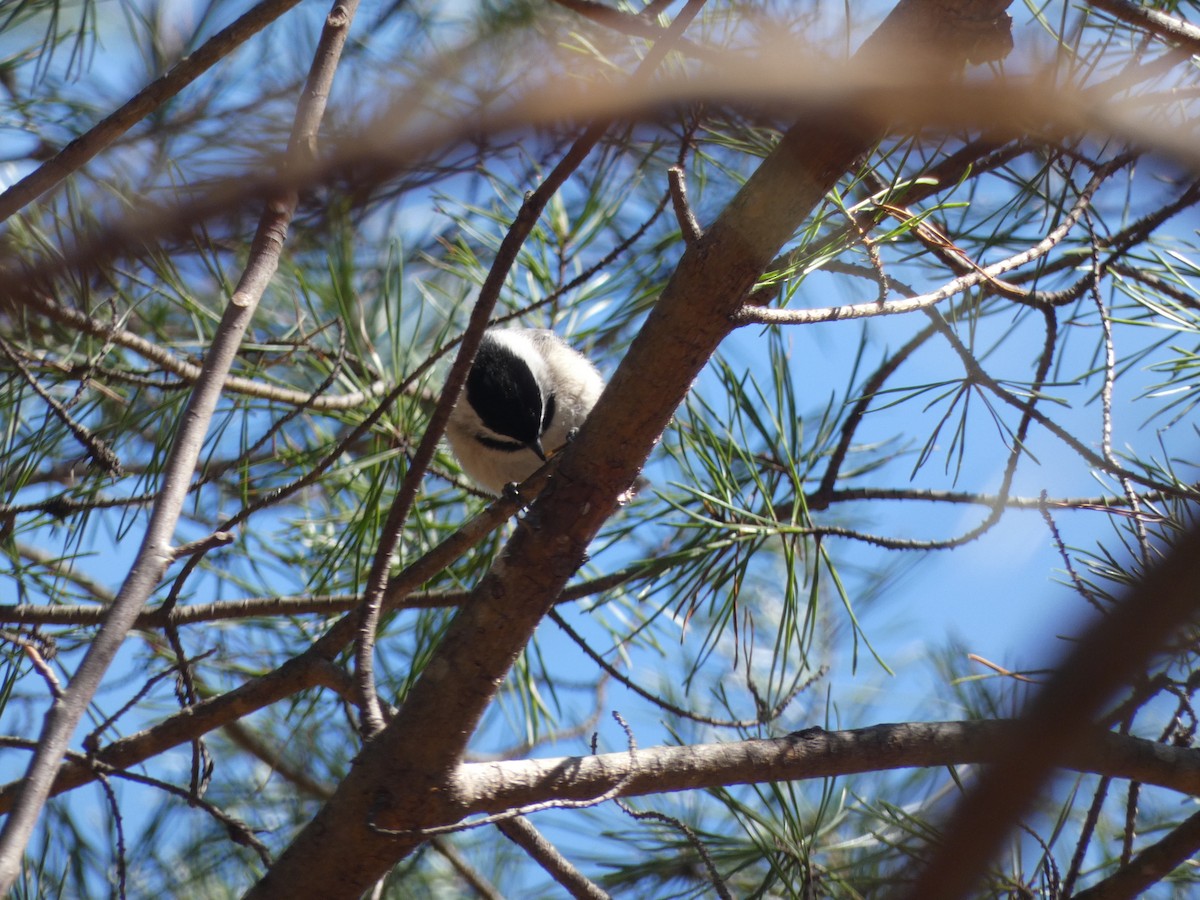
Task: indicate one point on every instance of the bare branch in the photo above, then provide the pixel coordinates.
(688, 225)
(813, 753)
(522, 833)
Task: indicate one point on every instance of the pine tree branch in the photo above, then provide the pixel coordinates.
(77, 153)
(400, 780)
(155, 553)
(1057, 721)
(493, 787)
(522, 833)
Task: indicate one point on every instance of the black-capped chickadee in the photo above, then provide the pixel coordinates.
(526, 394)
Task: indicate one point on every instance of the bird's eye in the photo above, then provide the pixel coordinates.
(547, 414)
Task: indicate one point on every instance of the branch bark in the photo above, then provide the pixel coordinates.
(487, 788)
(522, 833)
(503, 785)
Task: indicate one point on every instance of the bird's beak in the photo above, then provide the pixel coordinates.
(536, 446)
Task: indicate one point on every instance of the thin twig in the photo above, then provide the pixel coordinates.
(718, 883)
(119, 828)
(609, 669)
(1082, 589)
(196, 549)
(1106, 397)
(96, 448)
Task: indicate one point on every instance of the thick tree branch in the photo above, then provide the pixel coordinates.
(496, 786)
(401, 778)
(489, 294)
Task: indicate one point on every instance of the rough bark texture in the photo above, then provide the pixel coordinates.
(404, 779)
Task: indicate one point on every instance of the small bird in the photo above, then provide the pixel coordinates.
(526, 395)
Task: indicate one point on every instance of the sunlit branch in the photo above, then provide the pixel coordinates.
(1155, 21)
(753, 315)
(495, 786)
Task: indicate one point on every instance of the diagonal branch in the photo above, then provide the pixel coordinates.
(151, 97)
(1057, 721)
(489, 294)
(1151, 865)
(522, 833)
(155, 553)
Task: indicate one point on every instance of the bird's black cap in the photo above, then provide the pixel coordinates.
(505, 394)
